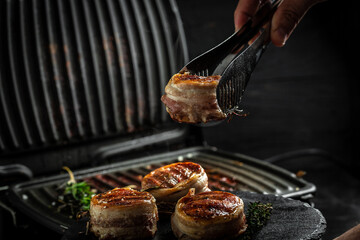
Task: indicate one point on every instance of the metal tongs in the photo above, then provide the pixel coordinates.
(235, 59)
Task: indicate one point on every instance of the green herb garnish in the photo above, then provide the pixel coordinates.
(256, 218)
(76, 195)
(81, 192)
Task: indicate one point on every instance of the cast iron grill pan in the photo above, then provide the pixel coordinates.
(226, 171)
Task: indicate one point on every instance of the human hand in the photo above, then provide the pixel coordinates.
(284, 21)
(351, 234)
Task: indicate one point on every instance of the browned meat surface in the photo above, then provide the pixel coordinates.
(192, 99)
(123, 214)
(209, 215)
(171, 182)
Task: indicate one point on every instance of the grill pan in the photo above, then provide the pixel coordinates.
(226, 171)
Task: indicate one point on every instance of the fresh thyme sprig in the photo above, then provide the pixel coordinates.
(80, 192)
(256, 217)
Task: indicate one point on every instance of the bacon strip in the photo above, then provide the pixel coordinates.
(192, 99)
(123, 214)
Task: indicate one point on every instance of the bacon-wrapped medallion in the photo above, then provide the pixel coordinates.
(123, 213)
(171, 182)
(192, 99)
(209, 215)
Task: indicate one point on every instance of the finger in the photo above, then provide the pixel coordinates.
(244, 10)
(287, 17)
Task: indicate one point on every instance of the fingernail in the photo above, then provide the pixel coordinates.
(283, 36)
(240, 22)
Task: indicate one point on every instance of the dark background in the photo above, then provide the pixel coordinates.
(302, 98)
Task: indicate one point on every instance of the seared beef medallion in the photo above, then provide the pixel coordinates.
(123, 214)
(209, 215)
(192, 99)
(171, 182)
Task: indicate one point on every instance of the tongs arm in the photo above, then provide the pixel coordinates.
(206, 63)
(237, 67)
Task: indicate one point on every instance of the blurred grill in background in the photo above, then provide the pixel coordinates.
(73, 70)
(78, 71)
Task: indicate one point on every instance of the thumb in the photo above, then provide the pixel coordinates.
(287, 17)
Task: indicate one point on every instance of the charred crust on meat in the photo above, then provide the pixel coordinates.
(192, 98)
(209, 215)
(210, 204)
(171, 182)
(123, 213)
(121, 197)
(170, 175)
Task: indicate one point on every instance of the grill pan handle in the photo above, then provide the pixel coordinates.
(136, 144)
(14, 171)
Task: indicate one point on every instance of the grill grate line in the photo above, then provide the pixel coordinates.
(116, 180)
(16, 70)
(144, 170)
(2, 145)
(111, 64)
(128, 88)
(149, 60)
(159, 49)
(181, 43)
(86, 66)
(99, 185)
(276, 181)
(31, 71)
(139, 172)
(106, 180)
(72, 67)
(59, 74)
(132, 175)
(7, 125)
(98, 60)
(51, 103)
(167, 36)
(252, 181)
(224, 185)
(136, 54)
(214, 188)
(126, 180)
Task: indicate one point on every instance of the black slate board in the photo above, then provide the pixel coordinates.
(290, 220)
